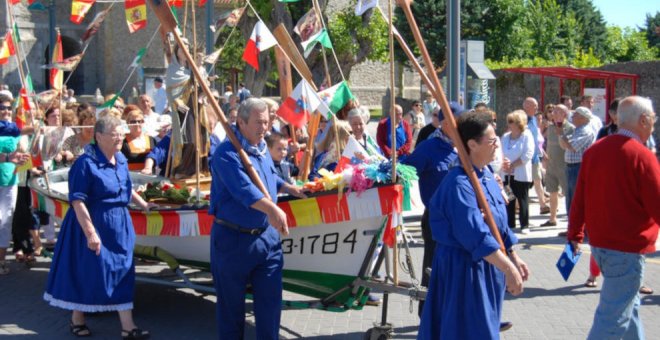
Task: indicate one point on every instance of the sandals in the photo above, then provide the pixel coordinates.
(591, 283)
(134, 334)
(81, 331)
(20, 257)
(37, 251)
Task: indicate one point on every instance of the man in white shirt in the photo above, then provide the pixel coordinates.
(159, 95)
(151, 125)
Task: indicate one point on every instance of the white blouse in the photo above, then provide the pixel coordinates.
(520, 148)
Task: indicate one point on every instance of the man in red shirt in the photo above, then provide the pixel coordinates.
(403, 135)
(620, 217)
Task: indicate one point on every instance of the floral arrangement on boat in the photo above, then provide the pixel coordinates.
(165, 192)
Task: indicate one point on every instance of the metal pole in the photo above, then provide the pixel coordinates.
(453, 48)
(210, 44)
(51, 26)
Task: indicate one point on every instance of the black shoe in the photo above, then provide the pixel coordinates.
(505, 326)
(549, 224)
(134, 334)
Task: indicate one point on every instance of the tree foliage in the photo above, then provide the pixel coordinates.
(652, 31)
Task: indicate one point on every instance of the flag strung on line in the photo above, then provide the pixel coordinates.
(136, 14)
(7, 49)
(79, 9)
(138, 58)
(95, 25)
(322, 37)
(365, 5)
(67, 65)
(297, 108)
(260, 40)
(56, 75)
(334, 99)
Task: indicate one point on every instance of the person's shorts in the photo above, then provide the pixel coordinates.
(536, 172)
(555, 178)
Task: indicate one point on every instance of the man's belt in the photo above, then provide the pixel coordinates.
(251, 231)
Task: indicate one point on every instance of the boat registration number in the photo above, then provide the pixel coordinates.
(324, 244)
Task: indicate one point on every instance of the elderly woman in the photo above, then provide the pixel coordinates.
(470, 273)
(328, 151)
(358, 125)
(415, 118)
(92, 268)
(518, 149)
(9, 158)
(76, 143)
(137, 144)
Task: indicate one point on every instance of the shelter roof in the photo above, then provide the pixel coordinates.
(572, 73)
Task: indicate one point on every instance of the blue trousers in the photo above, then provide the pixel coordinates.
(617, 314)
(239, 259)
(572, 171)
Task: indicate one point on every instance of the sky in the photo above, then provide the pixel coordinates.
(627, 12)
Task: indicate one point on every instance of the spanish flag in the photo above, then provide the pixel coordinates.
(7, 49)
(79, 9)
(22, 107)
(57, 76)
(136, 15)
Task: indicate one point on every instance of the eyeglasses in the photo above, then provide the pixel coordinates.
(417, 105)
(136, 122)
(653, 119)
(114, 135)
(492, 141)
(2, 107)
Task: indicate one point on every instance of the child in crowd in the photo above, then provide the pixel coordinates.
(278, 148)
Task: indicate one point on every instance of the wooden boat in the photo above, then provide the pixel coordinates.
(334, 236)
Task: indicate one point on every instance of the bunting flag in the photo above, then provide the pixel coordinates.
(138, 58)
(335, 98)
(7, 49)
(322, 37)
(94, 26)
(297, 107)
(136, 14)
(353, 153)
(22, 106)
(364, 5)
(79, 9)
(67, 65)
(176, 3)
(56, 75)
(260, 40)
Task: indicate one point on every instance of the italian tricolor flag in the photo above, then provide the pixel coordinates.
(79, 9)
(297, 107)
(7, 50)
(335, 98)
(136, 15)
(260, 40)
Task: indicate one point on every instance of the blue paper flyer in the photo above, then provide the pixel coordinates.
(567, 261)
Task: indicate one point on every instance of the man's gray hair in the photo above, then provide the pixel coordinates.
(251, 105)
(356, 112)
(631, 108)
(106, 124)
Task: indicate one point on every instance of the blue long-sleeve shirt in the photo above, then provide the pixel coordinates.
(432, 159)
(9, 129)
(232, 190)
(160, 153)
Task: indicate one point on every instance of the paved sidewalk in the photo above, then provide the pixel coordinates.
(548, 309)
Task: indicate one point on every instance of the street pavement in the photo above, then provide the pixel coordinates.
(549, 308)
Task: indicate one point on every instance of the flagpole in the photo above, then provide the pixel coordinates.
(318, 9)
(166, 18)
(393, 126)
(196, 106)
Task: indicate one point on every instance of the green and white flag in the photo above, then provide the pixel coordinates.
(334, 98)
(321, 37)
(138, 58)
(107, 105)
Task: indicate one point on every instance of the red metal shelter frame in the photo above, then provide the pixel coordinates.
(564, 73)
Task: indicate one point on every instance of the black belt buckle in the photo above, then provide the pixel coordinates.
(251, 231)
(254, 231)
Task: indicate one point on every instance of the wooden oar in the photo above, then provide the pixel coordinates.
(168, 23)
(450, 123)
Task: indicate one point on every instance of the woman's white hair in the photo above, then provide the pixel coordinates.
(631, 108)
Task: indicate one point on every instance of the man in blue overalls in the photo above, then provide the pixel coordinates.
(245, 243)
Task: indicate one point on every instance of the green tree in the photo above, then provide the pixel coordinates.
(593, 32)
(652, 30)
(628, 44)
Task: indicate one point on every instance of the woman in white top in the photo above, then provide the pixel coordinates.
(518, 149)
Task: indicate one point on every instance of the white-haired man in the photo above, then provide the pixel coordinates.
(619, 210)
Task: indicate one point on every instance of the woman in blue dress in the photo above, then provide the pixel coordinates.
(92, 268)
(469, 272)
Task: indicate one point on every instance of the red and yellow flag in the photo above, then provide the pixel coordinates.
(79, 9)
(136, 14)
(7, 49)
(22, 107)
(57, 76)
